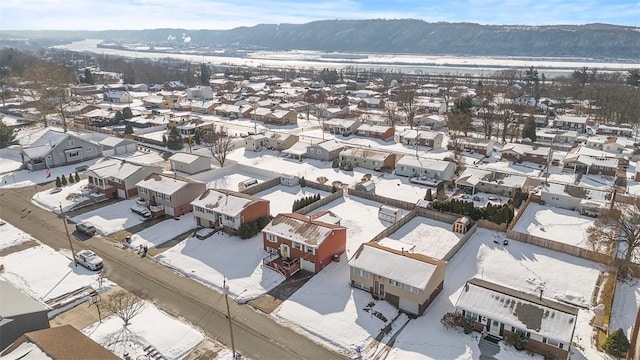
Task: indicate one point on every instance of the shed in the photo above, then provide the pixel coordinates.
(289, 180)
(388, 213)
(367, 186)
(189, 163)
(117, 146)
(461, 225)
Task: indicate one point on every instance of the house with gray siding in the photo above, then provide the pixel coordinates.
(19, 314)
(325, 151)
(189, 163)
(117, 146)
(50, 148)
(431, 169)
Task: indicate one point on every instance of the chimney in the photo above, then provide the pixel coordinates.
(541, 291)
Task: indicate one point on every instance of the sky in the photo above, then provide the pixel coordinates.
(228, 14)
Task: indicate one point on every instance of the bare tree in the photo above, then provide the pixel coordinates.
(220, 145)
(620, 225)
(48, 86)
(125, 305)
(407, 99)
(391, 108)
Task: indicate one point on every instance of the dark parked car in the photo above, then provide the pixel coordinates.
(85, 228)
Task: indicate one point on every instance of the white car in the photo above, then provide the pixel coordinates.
(141, 210)
(205, 232)
(142, 202)
(89, 259)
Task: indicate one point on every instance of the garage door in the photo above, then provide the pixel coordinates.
(308, 265)
(409, 306)
(168, 211)
(122, 194)
(122, 149)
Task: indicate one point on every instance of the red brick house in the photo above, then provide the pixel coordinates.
(376, 131)
(118, 178)
(298, 241)
(228, 209)
(524, 152)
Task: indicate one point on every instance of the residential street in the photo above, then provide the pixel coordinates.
(256, 335)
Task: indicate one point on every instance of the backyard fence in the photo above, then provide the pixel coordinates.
(395, 226)
(254, 189)
(463, 240)
(382, 199)
(320, 203)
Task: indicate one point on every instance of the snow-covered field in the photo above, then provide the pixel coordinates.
(519, 266)
(281, 197)
(626, 303)
(360, 217)
(111, 218)
(68, 197)
(10, 160)
(424, 236)
(222, 256)
(328, 309)
(172, 338)
(163, 231)
(561, 225)
(46, 274)
(11, 235)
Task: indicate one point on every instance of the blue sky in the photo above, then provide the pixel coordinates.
(227, 14)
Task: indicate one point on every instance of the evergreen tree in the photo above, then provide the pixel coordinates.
(205, 74)
(529, 129)
(63, 180)
(197, 137)
(128, 130)
(118, 117)
(616, 344)
(88, 77)
(71, 179)
(126, 113)
(164, 139)
(77, 177)
(58, 181)
(428, 196)
(517, 198)
(7, 137)
(440, 190)
(174, 141)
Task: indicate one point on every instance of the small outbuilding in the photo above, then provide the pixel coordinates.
(189, 163)
(388, 213)
(461, 225)
(289, 180)
(366, 186)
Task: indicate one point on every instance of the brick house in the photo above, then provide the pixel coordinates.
(368, 159)
(376, 131)
(548, 325)
(297, 241)
(408, 281)
(169, 195)
(118, 178)
(481, 146)
(523, 152)
(228, 209)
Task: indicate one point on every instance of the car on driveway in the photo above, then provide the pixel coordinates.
(205, 233)
(141, 210)
(142, 202)
(55, 190)
(89, 259)
(86, 229)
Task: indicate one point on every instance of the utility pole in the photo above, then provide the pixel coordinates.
(226, 299)
(64, 220)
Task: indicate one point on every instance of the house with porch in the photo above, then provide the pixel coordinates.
(341, 126)
(548, 325)
(406, 280)
(169, 195)
(226, 209)
(525, 152)
(295, 241)
(382, 132)
(49, 148)
(426, 169)
(614, 130)
(117, 178)
(367, 158)
(584, 164)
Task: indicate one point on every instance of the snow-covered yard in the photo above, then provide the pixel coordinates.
(11, 235)
(10, 160)
(328, 309)
(360, 217)
(424, 236)
(222, 256)
(519, 266)
(46, 274)
(626, 303)
(561, 225)
(24, 178)
(68, 197)
(111, 218)
(170, 337)
(163, 231)
(281, 197)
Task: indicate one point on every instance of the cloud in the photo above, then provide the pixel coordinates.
(226, 14)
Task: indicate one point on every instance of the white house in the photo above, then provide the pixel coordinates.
(431, 169)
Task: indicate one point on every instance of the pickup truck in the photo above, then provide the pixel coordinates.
(89, 259)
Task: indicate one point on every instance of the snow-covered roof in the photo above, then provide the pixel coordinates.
(571, 119)
(365, 154)
(162, 184)
(41, 142)
(404, 267)
(327, 217)
(431, 164)
(184, 158)
(225, 202)
(26, 351)
(347, 123)
(525, 311)
(117, 169)
(330, 145)
(300, 228)
(525, 149)
(112, 141)
(381, 129)
(299, 148)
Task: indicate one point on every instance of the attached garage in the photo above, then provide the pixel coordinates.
(409, 306)
(122, 194)
(308, 265)
(116, 146)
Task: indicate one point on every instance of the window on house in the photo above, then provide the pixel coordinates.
(310, 250)
(297, 245)
(90, 149)
(271, 238)
(361, 273)
(312, 151)
(70, 143)
(412, 289)
(553, 342)
(395, 283)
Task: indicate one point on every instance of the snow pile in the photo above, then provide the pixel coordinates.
(11, 235)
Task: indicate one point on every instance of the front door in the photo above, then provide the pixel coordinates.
(494, 329)
(378, 288)
(284, 251)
